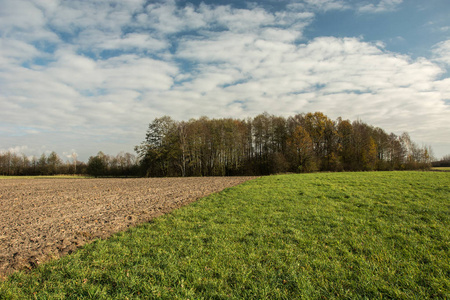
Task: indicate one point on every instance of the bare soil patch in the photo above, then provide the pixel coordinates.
(42, 219)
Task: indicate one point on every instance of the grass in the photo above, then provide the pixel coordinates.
(312, 236)
(45, 177)
(441, 168)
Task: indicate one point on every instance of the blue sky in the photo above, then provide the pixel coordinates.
(84, 76)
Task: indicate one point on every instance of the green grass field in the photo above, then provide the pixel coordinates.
(441, 168)
(312, 236)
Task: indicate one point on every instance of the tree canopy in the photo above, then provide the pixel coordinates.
(270, 144)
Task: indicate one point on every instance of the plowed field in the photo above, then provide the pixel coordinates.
(41, 219)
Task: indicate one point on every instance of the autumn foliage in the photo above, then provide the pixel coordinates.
(270, 144)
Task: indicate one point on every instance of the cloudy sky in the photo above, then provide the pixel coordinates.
(83, 76)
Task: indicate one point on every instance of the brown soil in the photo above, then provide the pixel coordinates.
(42, 219)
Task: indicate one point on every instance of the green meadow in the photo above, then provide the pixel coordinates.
(440, 169)
(308, 236)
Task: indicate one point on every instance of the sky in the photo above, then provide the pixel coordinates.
(86, 76)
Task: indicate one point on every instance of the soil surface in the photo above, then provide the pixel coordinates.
(42, 219)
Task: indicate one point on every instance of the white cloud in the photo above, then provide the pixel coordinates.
(340, 76)
(443, 87)
(325, 5)
(97, 40)
(111, 67)
(382, 6)
(128, 71)
(136, 73)
(14, 51)
(70, 155)
(24, 21)
(17, 149)
(108, 16)
(237, 20)
(21, 15)
(441, 52)
(166, 18)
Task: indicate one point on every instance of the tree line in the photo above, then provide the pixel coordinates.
(123, 164)
(13, 164)
(269, 144)
(265, 144)
(443, 162)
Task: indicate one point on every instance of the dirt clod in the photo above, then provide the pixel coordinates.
(47, 218)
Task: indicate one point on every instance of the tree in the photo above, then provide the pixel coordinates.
(160, 148)
(345, 147)
(42, 165)
(96, 165)
(302, 146)
(53, 163)
(74, 158)
(182, 138)
(370, 155)
(443, 162)
(395, 153)
(261, 126)
(15, 163)
(323, 134)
